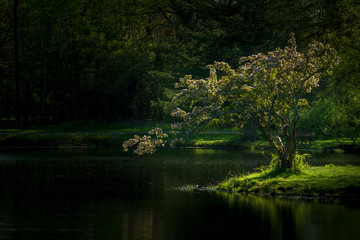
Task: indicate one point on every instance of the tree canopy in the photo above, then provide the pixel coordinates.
(266, 88)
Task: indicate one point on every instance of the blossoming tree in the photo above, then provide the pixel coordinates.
(266, 88)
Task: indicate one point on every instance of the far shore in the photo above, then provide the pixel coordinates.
(114, 134)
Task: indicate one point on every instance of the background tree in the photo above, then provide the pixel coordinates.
(334, 111)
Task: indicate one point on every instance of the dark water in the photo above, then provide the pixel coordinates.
(108, 194)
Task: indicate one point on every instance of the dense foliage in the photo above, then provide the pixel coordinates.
(118, 59)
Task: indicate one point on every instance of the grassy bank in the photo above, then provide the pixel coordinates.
(89, 127)
(116, 138)
(113, 134)
(328, 181)
(234, 139)
(74, 134)
(63, 139)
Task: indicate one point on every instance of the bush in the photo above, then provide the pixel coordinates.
(275, 164)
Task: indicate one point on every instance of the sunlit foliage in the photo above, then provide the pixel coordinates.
(266, 88)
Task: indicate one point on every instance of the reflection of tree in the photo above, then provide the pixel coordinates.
(297, 219)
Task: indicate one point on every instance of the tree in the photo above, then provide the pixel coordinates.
(266, 88)
(343, 87)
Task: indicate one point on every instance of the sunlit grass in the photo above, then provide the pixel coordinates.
(215, 139)
(326, 181)
(207, 139)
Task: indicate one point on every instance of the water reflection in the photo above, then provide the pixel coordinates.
(297, 219)
(108, 194)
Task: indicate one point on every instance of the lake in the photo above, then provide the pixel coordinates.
(104, 193)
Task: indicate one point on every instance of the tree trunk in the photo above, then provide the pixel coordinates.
(17, 65)
(250, 133)
(286, 153)
(43, 88)
(287, 158)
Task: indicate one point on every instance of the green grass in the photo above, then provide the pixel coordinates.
(231, 139)
(235, 140)
(227, 139)
(105, 134)
(215, 139)
(328, 181)
(75, 134)
(63, 140)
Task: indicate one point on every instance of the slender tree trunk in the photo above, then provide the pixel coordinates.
(43, 88)
(292, 146)
(250, 133)
(17, 64)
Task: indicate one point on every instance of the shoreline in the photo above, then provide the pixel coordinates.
(214, 140)
(268, 195)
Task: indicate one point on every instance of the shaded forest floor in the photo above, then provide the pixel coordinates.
(114, 134)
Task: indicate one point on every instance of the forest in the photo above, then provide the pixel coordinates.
(114, 60)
